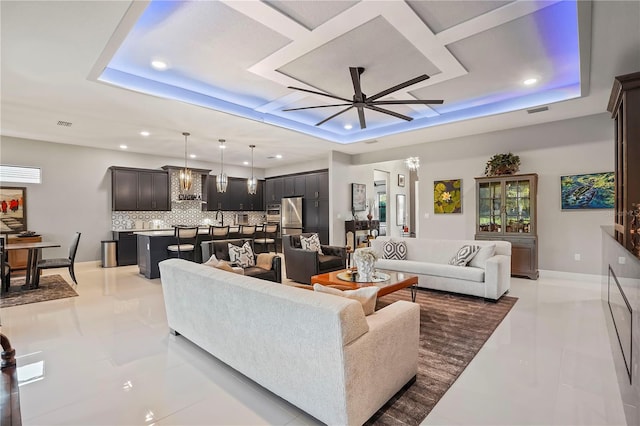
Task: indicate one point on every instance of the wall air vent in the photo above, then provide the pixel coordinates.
(541, 109)
(65, 123)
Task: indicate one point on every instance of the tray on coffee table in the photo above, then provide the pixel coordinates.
(396, 281)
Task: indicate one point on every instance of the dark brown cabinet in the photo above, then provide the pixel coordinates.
(139, 189)
(624, 106)
(506, 211)
(236, 197)
(316, 218)
(274, 189)
(127, 248)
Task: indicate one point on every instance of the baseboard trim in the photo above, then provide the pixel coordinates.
(573, 276)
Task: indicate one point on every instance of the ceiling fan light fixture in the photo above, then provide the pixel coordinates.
(185, 178)
(221, 180)
(413, 163)
(252, 182)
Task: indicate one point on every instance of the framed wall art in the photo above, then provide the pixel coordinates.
(13, 209)
(588, 191)
(358, 197)
(400, 180)
(447, 196)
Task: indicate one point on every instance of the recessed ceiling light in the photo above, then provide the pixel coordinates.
(159, 65)
(348, 127)
(144, 133)
(278, 156)
(123, 147)
(530, 81)
(246, 163)
(192, 155)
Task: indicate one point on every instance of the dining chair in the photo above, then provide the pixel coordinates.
(5, 268)
(268, 237)
(219, 232)
(186, 242)
(60, 262)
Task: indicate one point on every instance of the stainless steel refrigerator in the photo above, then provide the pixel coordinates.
(291, 216)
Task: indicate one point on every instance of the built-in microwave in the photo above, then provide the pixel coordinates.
(273, 213)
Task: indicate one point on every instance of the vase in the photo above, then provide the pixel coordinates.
(369, 217)
(365, 269)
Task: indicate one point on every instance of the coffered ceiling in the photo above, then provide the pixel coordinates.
(229, 65)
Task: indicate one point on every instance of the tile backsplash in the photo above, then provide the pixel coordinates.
(183, 213)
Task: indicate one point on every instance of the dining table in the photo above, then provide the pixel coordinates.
(32, 259)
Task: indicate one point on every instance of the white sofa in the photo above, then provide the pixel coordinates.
(315, 350)
(429, 259)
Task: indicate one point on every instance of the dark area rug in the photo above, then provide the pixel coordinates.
(51, 287)
(453, 328)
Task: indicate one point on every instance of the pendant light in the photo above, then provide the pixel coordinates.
(221, 179)
(252, 183)
(185, 178)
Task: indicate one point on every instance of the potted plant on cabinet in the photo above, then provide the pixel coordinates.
(502, 164)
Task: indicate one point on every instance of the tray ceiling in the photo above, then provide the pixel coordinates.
(240, 56)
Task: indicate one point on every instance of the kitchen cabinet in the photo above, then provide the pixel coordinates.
(317, 186)
(236, 198)
(316, 218)
(127, 247)
(506, 211)
(274, 188)
(293, 186)
(139, 189)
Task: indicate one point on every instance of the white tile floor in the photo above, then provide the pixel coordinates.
(106, 358)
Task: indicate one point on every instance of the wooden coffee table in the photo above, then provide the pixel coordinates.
(396, 281)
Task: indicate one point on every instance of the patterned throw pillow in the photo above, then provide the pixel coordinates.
(396, 250)
(243, 256)
(464, 255)
(311, 243)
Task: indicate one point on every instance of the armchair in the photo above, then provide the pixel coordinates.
(301, 264)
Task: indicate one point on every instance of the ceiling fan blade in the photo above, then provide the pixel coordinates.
(363, 123)
(409, 102)
(334, 115)
(355, 78)
(317, 106)
(386, 111)
(319, 93)
(399, 86)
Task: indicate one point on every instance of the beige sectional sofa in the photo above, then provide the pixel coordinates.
(429, 259)
(315, 350)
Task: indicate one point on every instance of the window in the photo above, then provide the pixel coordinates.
(20, 174)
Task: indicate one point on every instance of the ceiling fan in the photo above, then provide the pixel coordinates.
(361, 101)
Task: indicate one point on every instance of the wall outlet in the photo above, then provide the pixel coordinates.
(577, 257)
(622, 260)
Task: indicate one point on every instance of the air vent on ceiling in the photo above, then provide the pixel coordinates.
(370, 142)
(65, 123)
(541, 109)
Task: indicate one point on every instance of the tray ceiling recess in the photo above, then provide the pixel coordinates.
(271, 61)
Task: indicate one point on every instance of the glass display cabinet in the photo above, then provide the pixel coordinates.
(506, 211)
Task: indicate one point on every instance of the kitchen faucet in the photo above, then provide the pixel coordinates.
(221, 217)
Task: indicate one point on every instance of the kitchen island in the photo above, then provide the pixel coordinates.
(153, 243)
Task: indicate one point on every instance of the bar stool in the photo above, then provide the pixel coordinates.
(219, 232)
(248, 232)
(186, 242)
(269, 235)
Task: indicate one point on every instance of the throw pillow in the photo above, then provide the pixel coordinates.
(464, 255)
(311, 242)
(213, 261)
(365, 295)
(265, 260)
(224, 266)
(243, 256)
(396, 250)
(481, 257)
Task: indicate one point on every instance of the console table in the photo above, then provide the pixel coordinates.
(355, 226)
